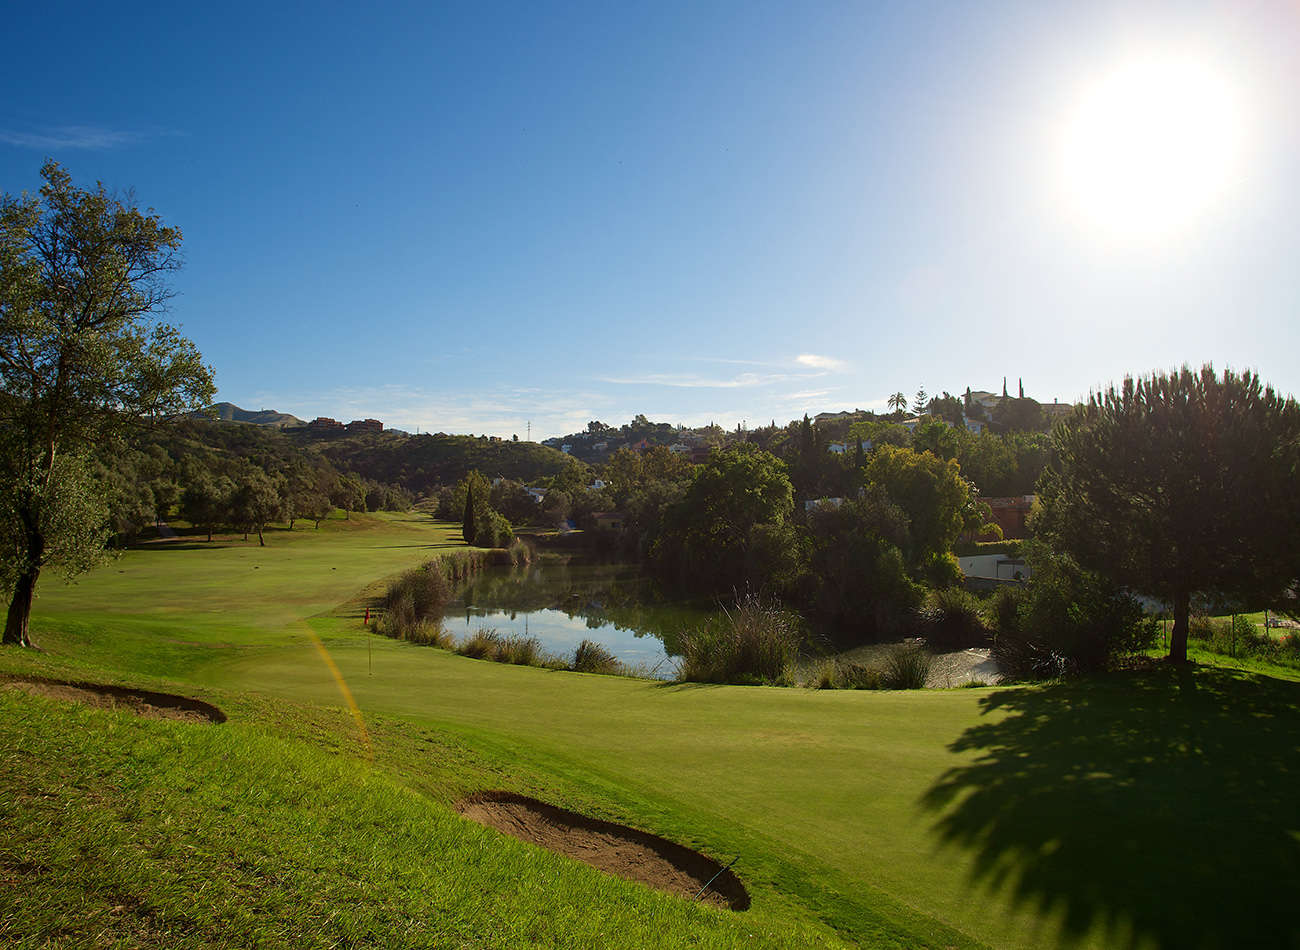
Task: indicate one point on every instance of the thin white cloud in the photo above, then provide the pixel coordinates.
(731, 362)
(815, 361)
(90, 137)
(687, 381)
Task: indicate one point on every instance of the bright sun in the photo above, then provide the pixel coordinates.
(1152, 147)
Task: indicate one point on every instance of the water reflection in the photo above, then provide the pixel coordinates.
(562, 603)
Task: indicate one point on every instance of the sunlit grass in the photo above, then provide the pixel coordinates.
(822, 794)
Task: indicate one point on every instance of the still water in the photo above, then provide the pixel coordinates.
(561, 603)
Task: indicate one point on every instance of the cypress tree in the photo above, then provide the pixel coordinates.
(467, 522)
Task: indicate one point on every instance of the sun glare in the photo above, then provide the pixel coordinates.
(1152, 147)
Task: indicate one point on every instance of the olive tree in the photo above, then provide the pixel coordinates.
(83, 360)
(1180, 484)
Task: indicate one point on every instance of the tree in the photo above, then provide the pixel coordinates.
(257, 500)
(937, 438)
(82, 363)
(947, 407)
(707, 535)
(349, 493)
(467, 524)
(897, 402)
(1180, 484)
(1019, 415)
(921, 403)
(206, 501)
(932, 494)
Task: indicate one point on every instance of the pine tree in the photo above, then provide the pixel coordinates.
(1180, 484)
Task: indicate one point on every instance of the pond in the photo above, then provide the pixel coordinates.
(563, 602)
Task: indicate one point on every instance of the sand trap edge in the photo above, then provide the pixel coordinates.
(128, 695)
(726, 889)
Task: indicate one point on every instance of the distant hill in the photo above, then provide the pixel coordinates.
(421, 462)
(229, 412)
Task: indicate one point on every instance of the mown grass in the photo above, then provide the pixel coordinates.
(121, 831)
(1008, 817)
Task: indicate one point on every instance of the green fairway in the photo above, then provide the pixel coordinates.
(1152, 809)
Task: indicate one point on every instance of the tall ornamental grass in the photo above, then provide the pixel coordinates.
(756, 643)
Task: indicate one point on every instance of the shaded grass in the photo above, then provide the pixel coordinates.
(1172, 775)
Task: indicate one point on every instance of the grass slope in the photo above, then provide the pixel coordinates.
(1147, 810)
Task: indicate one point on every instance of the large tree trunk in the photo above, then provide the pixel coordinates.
(20, 609)
(260, 543)
(1178, 636)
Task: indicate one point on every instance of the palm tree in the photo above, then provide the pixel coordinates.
(897, 402)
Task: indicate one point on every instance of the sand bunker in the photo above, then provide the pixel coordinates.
(142, 702)
(615, 849)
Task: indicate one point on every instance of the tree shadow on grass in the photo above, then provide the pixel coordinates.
(1160, 808)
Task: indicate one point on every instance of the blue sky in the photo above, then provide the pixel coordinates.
(466, 217)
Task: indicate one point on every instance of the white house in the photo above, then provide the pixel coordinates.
(837, 448)
(599, 484)
(994, 567)
(814, 503)
(537, 493)
(974, 425)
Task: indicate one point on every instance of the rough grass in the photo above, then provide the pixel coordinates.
(834, 673)
(1240, 637)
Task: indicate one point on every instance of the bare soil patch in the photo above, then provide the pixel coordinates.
(609, 847)
(142, 702)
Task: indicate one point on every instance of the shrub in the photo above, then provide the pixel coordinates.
(430, 633)
(491, 529)
(825, 675)
(1002, 609)
(951, 619)
(521, 552)
(833, 673)
(484, 643)
(1068, 622)
(423, 592)
(521, 651)
(591, 657)
(908, 667)
(413, 606)
(754, 644)
(460, 565)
